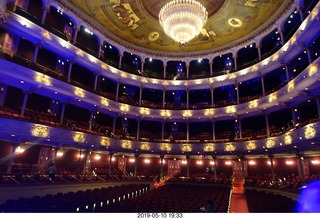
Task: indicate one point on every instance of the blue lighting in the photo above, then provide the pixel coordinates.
(309, 200)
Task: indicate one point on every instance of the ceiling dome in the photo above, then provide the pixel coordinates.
(136, 23)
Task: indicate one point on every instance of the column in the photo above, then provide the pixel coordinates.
(85, 162)
(44, 14)
(272, 167)
(300, 11)
(242, 166)
(187, 98)
(136, 159)
(142, 66)
(281, 36)
(259, 51)
(92, 113)
(162, 129)
(188, 128)
(287, 72)
(75, 34)
(140, 95)
(237, 90)
(164, 99)
(55, 155)
(96, 81)
(117, 91)
(114, 125)
(300, 160)
(309, 55)
(164, 70)
(267, 124)
(211, 68)
(213, 130)
(215, 166)
(63, 107)
(212, 96)
(318, 106)
(188, 165)
(110, 163)
(35, 53)
(161, 165)
(120, 60)
(240, 128)
(187, 66)
(262, 85)
(138, 129)
(69, 70)
(101, 48)
(235, 62)
(11, 158)
(24, 103)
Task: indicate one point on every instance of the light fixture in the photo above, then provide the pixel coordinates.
(183, 20)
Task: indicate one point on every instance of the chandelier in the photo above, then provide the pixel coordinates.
(182, 20)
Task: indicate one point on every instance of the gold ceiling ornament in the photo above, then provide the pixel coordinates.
(183, 20)
(287, 139)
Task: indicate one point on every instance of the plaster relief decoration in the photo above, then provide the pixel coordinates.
(165, 147)
(40, 131)
(309, 131)
(251, 145)
(122, 15)
(79, 137)
(105, 141)
(145, 146)
(230, 147)
(186, 147)
(270, 143)
(208, 148)
(126, 144)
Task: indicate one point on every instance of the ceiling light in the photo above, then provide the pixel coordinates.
(182, 20)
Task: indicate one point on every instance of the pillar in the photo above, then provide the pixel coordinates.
(213, 130)
(24, 103)
(35, 53)
(267, 125)
(187, 98)
(164, 98)
(120, 60)
(237, 90)
(164, 70)
(138, 129)
(44, 14)
(85, 162)
(140, 95)
(300, 160)
(262, 85)
(75, 34)
(259, 51)
(235, 62)
(136, 159)
(11, 159)
(187, 66)
(96, 81)
(161, 165)
(63, 107)
(188, 130)
(162, 130)
(110, 163)
(211, 68)
(272, 167)
(212, 96)
(188, 165)
(114, 125)
(142, 66)
(69, 70)
(318, 106)
(117, 91)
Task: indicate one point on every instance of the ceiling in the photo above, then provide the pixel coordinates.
(136, 21)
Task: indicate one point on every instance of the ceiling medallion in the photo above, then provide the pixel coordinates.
(183, 20)
(235, 22)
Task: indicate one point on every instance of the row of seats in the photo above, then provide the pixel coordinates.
(183, 197)
(80, 201)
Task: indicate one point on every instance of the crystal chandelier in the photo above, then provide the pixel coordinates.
(182, 20)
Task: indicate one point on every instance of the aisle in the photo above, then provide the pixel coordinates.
(238, 204)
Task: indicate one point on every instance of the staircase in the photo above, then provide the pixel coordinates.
(237, 187)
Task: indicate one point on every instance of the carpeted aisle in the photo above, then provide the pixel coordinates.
(238, 204)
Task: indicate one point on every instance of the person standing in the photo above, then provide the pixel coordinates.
(52, 171)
